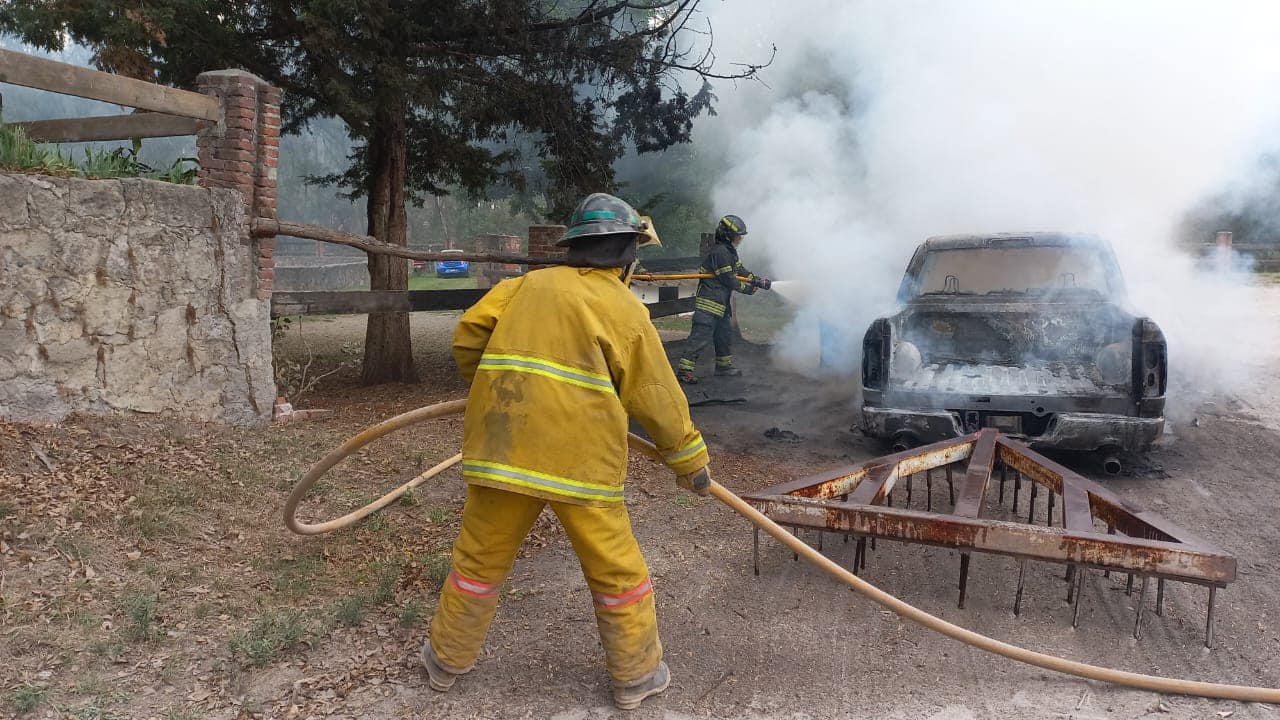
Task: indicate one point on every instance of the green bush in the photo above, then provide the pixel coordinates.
(19, 152)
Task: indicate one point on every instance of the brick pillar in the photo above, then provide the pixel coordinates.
(242, 153)
(490, 274)
(542, 242)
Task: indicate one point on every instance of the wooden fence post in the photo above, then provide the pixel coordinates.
(242, 152)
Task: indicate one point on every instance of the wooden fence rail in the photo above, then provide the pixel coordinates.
(111, 127)
(359, 302)
(21, 69)
(265, 227)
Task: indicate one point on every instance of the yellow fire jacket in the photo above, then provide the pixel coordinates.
(557, 360)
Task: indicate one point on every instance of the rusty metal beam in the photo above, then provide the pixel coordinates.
(852, 499)
(1001, 537)
(974, 490)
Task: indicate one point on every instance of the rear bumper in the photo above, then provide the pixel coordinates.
(1066, 431)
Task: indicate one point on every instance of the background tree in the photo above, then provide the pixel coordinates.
(435, 94)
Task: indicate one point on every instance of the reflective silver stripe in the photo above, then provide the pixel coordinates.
(542, 482)
(687, 453)
(626, 598)
(540, 368)
(473, 586)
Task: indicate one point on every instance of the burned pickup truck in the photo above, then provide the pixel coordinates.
(1029, 334)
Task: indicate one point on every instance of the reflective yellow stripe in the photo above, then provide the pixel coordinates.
(548, 369)
(686, 452)
(541, 481)
(725, 269)
(709, 305)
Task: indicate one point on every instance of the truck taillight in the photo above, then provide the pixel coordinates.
(875, 355)
(1150, 366)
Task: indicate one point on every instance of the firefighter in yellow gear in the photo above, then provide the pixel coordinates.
(558, 360)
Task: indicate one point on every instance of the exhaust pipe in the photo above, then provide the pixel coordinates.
(1111, 465)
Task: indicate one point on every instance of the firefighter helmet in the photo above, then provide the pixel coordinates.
(598, 215)
(729, 227)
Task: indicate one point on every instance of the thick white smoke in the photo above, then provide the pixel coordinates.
(885, 122)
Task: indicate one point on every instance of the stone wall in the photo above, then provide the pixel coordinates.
(129, 295)
(313, 274)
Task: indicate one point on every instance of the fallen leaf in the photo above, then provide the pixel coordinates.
(198, 694)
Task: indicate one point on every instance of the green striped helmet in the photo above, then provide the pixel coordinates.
(729, 227)
(598, 215)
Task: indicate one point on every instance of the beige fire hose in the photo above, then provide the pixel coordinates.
(654, 277)
(337, 455)
(1153, 683)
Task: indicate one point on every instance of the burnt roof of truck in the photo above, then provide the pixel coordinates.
(956, 242)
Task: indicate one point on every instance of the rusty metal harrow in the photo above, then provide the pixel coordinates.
(1092, 528)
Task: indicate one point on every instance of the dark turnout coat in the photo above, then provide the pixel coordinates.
(713, 293)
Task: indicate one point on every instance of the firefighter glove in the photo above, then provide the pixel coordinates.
(763, 283)
(698, 482)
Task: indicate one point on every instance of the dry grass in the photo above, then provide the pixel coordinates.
(157, 545)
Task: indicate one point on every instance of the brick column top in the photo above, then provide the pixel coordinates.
(542, 241)
(242, 151)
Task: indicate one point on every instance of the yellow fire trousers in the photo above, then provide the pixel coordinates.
(494, 523)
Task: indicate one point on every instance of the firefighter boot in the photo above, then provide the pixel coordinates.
(441, 678)
(684, 371)
(628, 697)
(725, 368)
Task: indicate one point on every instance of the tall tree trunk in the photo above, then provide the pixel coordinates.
(388, 352)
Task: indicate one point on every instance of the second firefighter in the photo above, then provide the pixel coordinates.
(712, 324)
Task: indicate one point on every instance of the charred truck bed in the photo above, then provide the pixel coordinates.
(1028, 334)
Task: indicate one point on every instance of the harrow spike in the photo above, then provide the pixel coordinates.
(1017, 598)
(1208, 623)
(1142, 600)
(1078, 584)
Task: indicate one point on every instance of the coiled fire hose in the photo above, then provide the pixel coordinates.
(1140, 681)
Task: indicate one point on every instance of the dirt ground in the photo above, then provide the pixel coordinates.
(144, 572)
